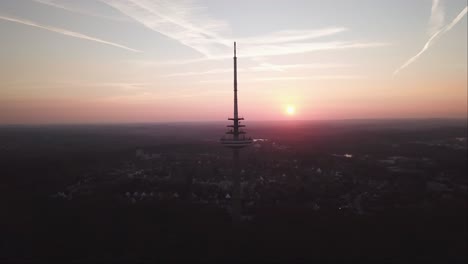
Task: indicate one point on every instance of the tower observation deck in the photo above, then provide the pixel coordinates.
(235, 139)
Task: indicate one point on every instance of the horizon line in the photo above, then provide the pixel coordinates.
(248, 121)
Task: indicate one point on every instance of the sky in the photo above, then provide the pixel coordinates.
(112, 61)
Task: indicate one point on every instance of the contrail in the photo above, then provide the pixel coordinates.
(183, 21)
(179, 20)
(77, 11)
(436, 21)
(66, 32)
(436, 35)
(457, 19)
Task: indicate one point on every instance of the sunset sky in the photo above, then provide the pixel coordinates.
(101, 61)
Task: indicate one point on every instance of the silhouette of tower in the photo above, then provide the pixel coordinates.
(236, 140)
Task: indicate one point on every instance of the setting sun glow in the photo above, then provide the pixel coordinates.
(290, 110)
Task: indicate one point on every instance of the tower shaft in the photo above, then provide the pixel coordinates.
(236, 196)
(236, 114)
(236, 188)
(236, 143)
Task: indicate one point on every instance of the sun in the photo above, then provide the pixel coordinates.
(290, 110)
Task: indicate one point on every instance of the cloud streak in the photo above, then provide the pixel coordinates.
(259, 51)
(291, 36)
(208, 72)
(285, 67)
(433, 38)
(263, 67)
(76, 10)
(184, 22)
(318, 77)
(177, 20)
(297, 48)
(291, 78)
(65, 32)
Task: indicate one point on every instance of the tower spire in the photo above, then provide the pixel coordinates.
(234, 49)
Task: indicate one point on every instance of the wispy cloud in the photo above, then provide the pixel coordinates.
(317, 77)
(123, 86)
(285, 67)
(116, 85)
(62, 6)
(436, 21)
(152, 96)
(255, 52)
(433, 38)
(291, 35)
(65, 32)
(192, 73)
(178, 20)
(263, 67)
(158, 63)
(291, 78)
(300, 47)
(185, 22)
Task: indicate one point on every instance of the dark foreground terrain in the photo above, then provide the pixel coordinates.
(391, 191)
